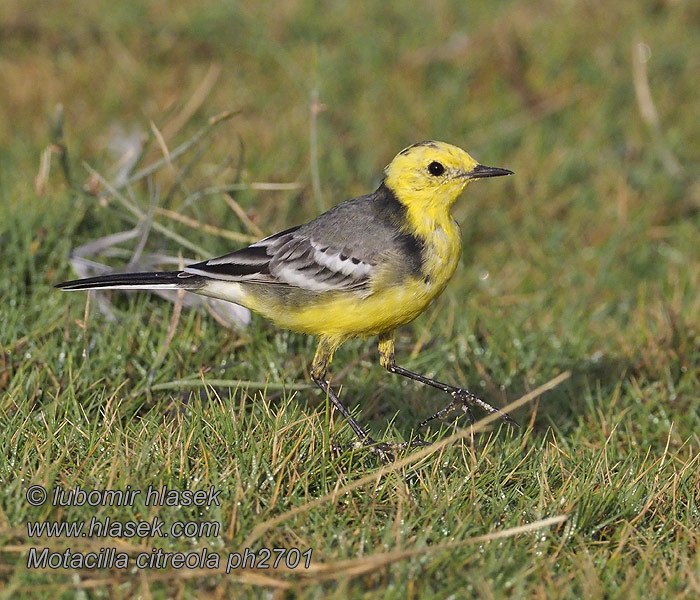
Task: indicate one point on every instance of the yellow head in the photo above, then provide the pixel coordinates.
(431, 175)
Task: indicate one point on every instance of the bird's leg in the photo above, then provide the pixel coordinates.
(319, 368)
(386, 359)
(460, 396)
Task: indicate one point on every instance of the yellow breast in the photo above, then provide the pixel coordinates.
(441, 256)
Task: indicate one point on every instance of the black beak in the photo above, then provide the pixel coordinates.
(481, 171)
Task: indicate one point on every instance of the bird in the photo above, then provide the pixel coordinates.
(361, 269)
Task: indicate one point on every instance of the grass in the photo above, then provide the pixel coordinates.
(586, 263)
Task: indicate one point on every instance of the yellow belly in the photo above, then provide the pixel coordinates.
(348, 315)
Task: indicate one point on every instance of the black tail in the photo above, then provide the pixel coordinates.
(129, 281)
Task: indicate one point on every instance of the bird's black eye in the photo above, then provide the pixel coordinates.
(435, 168)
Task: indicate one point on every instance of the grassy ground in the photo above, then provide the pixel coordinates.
(587, 262)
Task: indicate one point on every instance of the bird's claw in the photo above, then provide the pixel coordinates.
(382, 450)
(414, 443)
(465, 399)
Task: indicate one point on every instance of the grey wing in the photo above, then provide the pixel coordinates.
(301, 257)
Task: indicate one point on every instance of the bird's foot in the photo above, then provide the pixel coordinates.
(384, 451)
(414, 443)
(443, 412)
(381, 450)
(464, 399)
